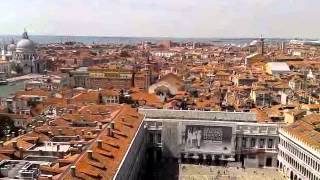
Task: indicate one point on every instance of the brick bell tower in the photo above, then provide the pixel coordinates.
(147, 72)
(261, 48)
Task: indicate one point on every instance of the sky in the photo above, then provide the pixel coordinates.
(163, 18)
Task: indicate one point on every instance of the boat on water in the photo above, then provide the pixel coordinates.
(3, 82)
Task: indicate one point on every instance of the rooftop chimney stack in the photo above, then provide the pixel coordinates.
(15, 144)
(109, 131)
(73, 171)
(8, 137)
(90, 154)
(97, 130)
(21, 152)
(99, 143)
(49, 177)
(112, 125)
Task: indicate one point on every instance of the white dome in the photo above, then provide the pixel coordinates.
(11, 47)
(25, 44)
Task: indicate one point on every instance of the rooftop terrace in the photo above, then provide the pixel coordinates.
(199, 115)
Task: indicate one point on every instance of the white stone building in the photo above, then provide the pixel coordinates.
(210, 137)
(299, 152)
(22, 57)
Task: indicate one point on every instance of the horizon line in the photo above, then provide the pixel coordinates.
(158, 37)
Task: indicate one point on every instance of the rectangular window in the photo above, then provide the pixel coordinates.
(253, 142)
(270, 143)
(159, 138)
(151, 138)
(244, 142)
(261, 143)
(237, 144)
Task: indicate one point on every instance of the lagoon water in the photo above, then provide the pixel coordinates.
(130, 40)
(7, 90)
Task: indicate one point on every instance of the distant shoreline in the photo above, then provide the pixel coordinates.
(49, 39)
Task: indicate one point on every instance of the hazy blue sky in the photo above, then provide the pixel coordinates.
(174, 18)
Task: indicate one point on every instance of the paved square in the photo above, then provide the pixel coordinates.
(200, 172)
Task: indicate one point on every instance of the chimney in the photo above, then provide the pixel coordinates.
(97, 130)
(100, 126)
(112, 125)
(40, 123)
(21, 152)
(109, 132)
(82, 132)
(73, 170)
(99, 143)
(61, 154)
(15, 144)
(90, 154)
(8, 137)
(49, 177)
(13, 134)
(60, 131)
(58, 147)
(1, 143)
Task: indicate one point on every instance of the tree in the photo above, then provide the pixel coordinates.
(17, 68)
(6, 125)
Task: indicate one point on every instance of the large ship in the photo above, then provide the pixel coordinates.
(305, 42)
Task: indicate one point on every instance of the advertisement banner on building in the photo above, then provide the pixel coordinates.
(207, 138)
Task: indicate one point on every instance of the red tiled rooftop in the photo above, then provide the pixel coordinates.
(106, 160)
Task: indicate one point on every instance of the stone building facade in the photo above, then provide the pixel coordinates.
(23, 57)
(298, 160)
(214, 137)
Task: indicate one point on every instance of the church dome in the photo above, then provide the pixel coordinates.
(11, 47)
(25, 44)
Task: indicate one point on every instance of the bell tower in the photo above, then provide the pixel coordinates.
(147, 72)
(261, 45)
